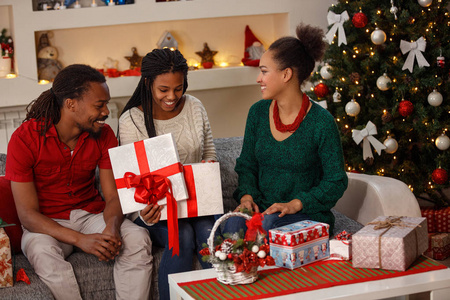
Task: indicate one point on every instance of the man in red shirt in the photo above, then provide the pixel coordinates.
(51, 162)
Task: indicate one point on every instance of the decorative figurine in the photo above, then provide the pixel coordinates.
(135, 60)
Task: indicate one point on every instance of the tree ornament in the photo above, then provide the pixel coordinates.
(223, 256)
(135, 60)
(352, 108)
(435, 98)
(337, 96)
(386, 117)
(383, 82)
(394, 9)
(325, 72)
(441, 62)
(439, 176)
(378, 36)
(360, 20)
(321, 90)
(255, 249)
(405, 108)
(425, 3)
(443, 142)
(391, 145)
(414, 50)
(337, 20)
(355, 77)
(366, 135)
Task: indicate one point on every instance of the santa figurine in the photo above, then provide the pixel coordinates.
(254, 49)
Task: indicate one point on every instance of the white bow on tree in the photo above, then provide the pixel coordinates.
(366, 135)
(337, 20)
(415, 50)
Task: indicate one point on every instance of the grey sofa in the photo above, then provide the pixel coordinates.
(96, 278)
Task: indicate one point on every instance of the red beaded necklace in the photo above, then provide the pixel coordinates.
(291, 127)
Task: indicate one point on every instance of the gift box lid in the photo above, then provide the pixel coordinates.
(298, 233)
(399, 230)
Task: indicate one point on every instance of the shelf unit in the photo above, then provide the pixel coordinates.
(282, 17)
(22, 89)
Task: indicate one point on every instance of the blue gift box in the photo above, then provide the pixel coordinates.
(299, 244)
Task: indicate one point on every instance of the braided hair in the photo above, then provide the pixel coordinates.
(71, 82)
(157, 62)
(301, 53)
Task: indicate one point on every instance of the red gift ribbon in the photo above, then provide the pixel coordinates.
(192, 208)
(344, 236)
(254, 225)
(153, 186)
(22, 276)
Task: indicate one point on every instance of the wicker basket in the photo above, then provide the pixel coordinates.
(226, 273)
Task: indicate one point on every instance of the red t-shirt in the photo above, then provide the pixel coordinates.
(64, 182)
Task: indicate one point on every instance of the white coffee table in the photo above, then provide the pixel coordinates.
(437, 282)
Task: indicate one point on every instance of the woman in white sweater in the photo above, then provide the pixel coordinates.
(158, 106)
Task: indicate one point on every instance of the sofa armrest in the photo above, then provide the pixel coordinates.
(370, 196)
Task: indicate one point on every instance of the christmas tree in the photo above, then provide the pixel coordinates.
(386, 82)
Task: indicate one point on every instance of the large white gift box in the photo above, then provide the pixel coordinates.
(156, 156)
(205, 191)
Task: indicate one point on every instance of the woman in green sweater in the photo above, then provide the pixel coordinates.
(291, 167)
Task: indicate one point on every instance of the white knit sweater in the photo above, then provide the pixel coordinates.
(190, 129)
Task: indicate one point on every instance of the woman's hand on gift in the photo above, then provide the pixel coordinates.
(247, 203)
(288, 208)
(151, 213)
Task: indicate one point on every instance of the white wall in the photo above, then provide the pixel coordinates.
(227, 107)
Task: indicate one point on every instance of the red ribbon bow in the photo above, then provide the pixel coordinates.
(344, 236)
(254, 225)
(149, 188)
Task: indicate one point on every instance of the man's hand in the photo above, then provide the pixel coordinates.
(114, 233)
(98, 244)
(289, 208)
(151, 213)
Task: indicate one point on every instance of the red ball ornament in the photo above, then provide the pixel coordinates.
(230, 256)
(405, 108)
(360, 20)
(321, 90)
(440, 176)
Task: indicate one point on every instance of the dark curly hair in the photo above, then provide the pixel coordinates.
(71, 82)
(157, 62)
(301, 53)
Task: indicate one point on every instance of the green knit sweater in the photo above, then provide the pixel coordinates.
(308, 165)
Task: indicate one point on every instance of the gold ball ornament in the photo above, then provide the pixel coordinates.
(442, 142)
(352, 108)
(384, 82)
(424, 3)
(325, 72)
(435, 98)
(378, 36)
(391, 145)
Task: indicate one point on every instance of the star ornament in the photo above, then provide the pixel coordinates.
(206, 54)
(135, 60)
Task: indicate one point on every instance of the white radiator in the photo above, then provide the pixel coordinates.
(11, 118)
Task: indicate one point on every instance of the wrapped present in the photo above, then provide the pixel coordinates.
(205, 191)
(439, 246)
(299, 244)
(429, 214)
(442, 219)
(341, 246)
(390, 243)
(150, 171)
(6, 271)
